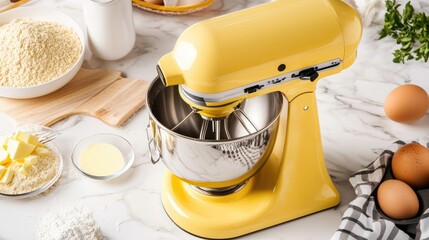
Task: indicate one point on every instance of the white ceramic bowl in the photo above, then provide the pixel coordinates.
(42, 14)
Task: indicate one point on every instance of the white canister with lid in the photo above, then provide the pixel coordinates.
(110, 28)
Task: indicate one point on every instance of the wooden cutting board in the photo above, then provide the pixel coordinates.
(100, 93)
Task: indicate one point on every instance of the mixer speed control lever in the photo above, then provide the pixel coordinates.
(253, 89)
(308, 74)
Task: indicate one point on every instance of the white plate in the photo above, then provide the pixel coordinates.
(42, 14)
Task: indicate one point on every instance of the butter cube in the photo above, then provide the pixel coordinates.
(7, 177)
(4, 139)
(32, 160)
(22, 171)
(42, 150)
(20, 162)
(18, 149)
(26, 137)
(2, 170)
(4, 156)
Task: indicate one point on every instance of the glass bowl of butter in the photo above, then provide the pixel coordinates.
(103, 156)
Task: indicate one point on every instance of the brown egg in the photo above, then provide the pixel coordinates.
(410, 164)
(397, 200)
(406, 104)
(157, 2)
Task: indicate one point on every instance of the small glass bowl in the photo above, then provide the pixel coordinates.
(121, 143)
(45, 187)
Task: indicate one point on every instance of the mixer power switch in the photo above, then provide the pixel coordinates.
(308, 74)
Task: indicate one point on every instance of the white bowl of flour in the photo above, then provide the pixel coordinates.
(44, 54)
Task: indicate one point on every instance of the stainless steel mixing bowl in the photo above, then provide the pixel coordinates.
(210, 163)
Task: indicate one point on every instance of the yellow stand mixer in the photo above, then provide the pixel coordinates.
(233, 115)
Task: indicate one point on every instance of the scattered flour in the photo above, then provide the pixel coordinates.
(69, 224)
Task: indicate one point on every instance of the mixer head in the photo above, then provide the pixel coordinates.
(275, 47)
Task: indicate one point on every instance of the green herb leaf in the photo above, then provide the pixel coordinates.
(409, 29)
(408, 12)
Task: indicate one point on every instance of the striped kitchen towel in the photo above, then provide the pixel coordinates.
(361, 220)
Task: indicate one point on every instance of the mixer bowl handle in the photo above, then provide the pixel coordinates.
(155, 154)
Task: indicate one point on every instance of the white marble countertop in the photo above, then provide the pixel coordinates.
(353, 126)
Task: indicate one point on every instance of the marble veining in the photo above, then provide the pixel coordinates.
(354, 130)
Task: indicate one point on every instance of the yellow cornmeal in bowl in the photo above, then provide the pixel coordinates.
(38, 175)
(36, 52)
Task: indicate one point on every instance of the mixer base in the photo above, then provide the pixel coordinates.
(222, 217)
